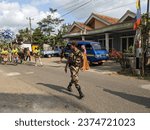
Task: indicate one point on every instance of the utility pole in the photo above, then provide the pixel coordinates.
(145, 39)
(148, 12)
(148, 9)
(30, 27)
(147, 21)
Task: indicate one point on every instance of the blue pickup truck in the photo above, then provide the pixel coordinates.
(95, 53)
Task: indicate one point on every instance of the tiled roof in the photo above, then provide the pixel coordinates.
(82, 25)
(107, 18)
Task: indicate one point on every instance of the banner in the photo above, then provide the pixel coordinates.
(138, 15)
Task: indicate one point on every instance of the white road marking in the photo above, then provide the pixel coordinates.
(13, 74)
(102, 72)
(146, 86)
(29, 73)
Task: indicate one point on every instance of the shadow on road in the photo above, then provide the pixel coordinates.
(107, 66)
(58, 88)
(38, 103)
(145, 101)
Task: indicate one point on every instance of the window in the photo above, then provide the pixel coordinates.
(96, 46)
(102, 43)
(110, 44)
(126, 42)
(130, 41)
(88, 47)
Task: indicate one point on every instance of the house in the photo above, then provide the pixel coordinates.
(110, 32)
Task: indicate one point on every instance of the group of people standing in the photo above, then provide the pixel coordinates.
(19, 55)
(9, 55)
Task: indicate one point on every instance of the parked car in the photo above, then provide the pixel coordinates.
(50, 53)
(95, 53)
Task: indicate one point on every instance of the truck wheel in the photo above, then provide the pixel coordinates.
(100, 63)
(49, 56)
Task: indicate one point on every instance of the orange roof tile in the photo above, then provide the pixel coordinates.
(107, 18)
(82, 25)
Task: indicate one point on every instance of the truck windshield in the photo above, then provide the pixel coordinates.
(96, 46)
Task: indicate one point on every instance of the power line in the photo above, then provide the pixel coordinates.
(70, 7)
(118, 7)
(76, 8)
(79, 7)
(106, 2)
(61, 6)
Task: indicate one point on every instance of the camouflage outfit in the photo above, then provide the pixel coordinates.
(75, 62)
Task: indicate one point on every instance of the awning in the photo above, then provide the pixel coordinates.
(111, 28)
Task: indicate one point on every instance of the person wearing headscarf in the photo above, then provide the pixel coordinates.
(85, 61)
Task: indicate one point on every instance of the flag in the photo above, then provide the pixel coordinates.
(138, 15)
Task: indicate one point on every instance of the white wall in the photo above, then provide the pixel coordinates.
(26, 46)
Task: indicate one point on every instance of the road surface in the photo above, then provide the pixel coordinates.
(26, 88)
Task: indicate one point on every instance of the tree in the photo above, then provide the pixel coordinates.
(48, 24)
(59, 36)
(38, 37)
(24, 35)
(145, 29)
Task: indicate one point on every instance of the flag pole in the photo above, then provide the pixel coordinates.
(137, 41)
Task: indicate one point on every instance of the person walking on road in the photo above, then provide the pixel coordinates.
(75, 63)
(37, 54)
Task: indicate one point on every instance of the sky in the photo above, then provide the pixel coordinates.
(14, 13)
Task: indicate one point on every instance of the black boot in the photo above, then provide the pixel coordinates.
(69, 87)
(81, 95)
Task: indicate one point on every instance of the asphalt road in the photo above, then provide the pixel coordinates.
(26, 88)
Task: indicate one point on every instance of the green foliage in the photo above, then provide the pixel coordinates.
(24, 35)
(38, 37)
(50, 31)
(145, 27)
(130, 50)
(48, 24)
(59, 37)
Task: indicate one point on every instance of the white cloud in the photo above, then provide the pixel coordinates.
(14, 16)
